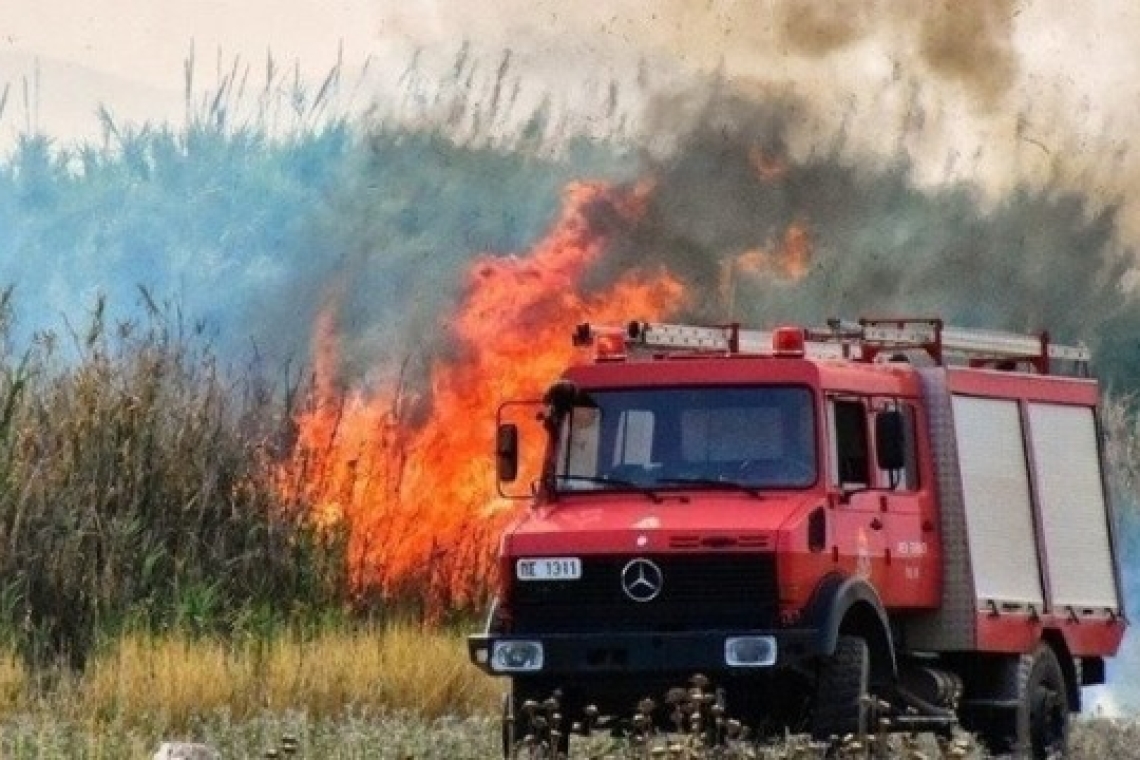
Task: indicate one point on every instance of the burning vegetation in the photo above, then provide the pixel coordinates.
(408, 476)
(732, 227)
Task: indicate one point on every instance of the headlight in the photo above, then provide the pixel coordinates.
(516, 656)
(750, 651)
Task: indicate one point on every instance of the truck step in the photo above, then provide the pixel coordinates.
(938, 724)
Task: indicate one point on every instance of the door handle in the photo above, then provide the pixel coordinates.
(876, 524)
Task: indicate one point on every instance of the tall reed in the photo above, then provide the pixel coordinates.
(133, 491)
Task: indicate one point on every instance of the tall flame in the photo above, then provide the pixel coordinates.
(789, 259)
(417, 500)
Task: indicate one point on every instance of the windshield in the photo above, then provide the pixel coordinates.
(752, 438)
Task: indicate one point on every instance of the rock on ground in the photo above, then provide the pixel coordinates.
(185, 751)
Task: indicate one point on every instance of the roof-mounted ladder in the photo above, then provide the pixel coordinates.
(864, 340)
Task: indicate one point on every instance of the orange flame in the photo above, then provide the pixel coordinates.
(789, 259)
(768, 167)
(795, 253)
(417, 500)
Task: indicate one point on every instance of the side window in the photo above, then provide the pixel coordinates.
(906, 478)
(850, 464)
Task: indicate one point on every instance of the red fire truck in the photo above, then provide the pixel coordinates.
(888, 515)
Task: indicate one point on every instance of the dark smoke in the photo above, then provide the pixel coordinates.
(387, 248)
(1041, 258)
(970, 42)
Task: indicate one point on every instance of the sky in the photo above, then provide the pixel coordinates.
(1008, 89)
(131, 53)
(147, 41)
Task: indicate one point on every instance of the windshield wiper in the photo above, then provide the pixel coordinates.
(619, 482)
(727, 485)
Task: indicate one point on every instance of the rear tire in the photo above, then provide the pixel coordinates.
(1039, 727)
(841, 704)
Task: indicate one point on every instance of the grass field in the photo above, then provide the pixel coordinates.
(395, 735)
(397, 691)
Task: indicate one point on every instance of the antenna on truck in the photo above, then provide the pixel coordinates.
(864, 340)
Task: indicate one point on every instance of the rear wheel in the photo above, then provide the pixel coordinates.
(841, 704)
(1039, 727)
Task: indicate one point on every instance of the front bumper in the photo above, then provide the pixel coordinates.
(645, 653)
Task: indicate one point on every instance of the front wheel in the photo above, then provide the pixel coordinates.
(841, 695)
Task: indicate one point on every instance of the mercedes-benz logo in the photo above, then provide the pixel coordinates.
(642, 580)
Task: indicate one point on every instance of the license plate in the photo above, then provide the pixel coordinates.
(549, 569)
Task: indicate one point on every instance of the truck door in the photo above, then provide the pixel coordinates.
(860, 538)
(883, 517)
(906, 513)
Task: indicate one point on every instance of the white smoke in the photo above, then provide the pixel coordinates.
(998, 93)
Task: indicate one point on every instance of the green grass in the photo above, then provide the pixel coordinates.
(134, 494)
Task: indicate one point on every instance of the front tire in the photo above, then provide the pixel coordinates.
(841, 696)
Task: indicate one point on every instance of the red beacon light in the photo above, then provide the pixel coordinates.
(788, 341)
(609, 345)
(608, 342)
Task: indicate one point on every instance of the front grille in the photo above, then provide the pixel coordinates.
(700, 592)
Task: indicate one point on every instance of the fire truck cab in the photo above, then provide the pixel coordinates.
(889, 519)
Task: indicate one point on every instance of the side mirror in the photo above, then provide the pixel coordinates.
(507, 452)
(890, 437)
(561, 396)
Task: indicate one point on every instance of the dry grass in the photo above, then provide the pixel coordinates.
(396, 691)
(174, 680)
